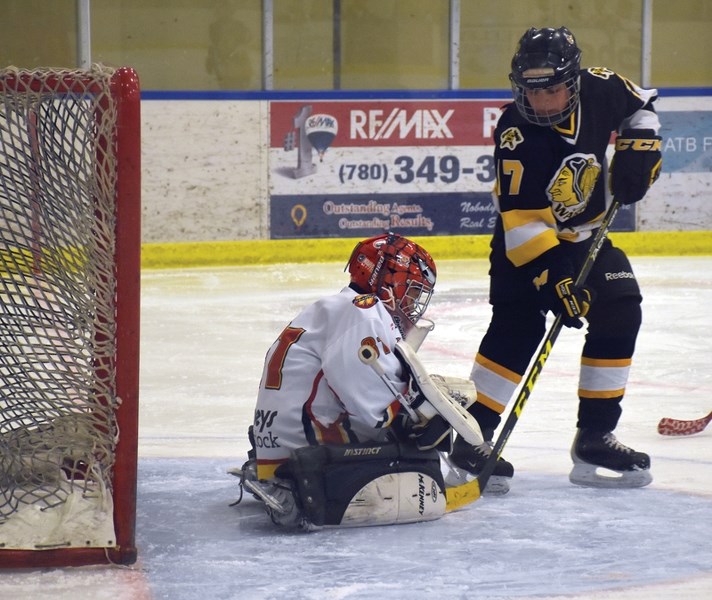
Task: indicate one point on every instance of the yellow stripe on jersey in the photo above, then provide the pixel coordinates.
(603, 378)
(528, 234)
(388, 415)
(571, 236)
(515, 218)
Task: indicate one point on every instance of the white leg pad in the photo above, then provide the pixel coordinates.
(396, 498)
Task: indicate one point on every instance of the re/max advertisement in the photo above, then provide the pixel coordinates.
(356, 168)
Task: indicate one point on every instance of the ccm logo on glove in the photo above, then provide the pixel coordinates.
(636, 164)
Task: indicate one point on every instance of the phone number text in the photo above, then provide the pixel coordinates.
(432, 169)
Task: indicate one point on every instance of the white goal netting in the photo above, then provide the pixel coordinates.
(58, 403)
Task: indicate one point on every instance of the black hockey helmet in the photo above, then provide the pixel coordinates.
(545, 58)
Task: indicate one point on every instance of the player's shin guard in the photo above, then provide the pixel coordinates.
(366, 484)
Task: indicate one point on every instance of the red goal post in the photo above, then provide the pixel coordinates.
(70, 214)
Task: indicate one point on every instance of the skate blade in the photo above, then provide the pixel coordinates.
(587, 475)
(256, 488)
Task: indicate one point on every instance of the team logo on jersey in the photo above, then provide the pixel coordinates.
(365, 300)
(601, 72)
(510, 138)
(572, 186)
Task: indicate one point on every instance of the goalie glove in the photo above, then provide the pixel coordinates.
(425, 434)
(636, 164)
(429, 398)
(432, 430)
(462, 391)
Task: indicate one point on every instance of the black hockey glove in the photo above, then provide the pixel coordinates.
(426, 434)
(636, 164)
(434, 433)
(558, 293)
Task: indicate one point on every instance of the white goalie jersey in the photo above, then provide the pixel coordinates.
(316, 390)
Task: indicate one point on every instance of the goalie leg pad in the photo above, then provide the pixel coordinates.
(367, 484)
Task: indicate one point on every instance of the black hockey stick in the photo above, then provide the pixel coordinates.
(470, 492)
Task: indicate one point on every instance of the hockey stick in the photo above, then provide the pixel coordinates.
(368, 356)
(471, 491)
(668, 426)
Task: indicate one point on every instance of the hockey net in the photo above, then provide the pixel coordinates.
(69, 315)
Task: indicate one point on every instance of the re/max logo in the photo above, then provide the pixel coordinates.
(426, 123)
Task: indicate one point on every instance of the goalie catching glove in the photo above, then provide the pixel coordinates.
(440, 403)
(433, 430)
(636, 164)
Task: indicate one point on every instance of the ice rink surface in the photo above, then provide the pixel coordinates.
(204, 336)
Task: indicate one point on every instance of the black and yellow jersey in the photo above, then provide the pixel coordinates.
(552, 181)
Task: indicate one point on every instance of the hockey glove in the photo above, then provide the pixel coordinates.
(636, 164)
(431, 430)
(559, 295)
(426, 435)
(462, 391)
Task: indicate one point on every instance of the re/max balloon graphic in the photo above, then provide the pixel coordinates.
(321, 130)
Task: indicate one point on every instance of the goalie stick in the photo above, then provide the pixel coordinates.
(674, 427)
(471, 491)
(368, 356)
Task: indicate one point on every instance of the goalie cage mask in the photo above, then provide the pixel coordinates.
(400, 272)
(545, 58)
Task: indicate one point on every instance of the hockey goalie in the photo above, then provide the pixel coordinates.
(349, 428)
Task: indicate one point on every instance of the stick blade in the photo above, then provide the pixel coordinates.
(462, 495)
(677, 427)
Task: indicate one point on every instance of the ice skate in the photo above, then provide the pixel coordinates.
(600, 460)
(467, 462)
(276, 496)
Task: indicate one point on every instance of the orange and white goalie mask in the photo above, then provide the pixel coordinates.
(397, 270)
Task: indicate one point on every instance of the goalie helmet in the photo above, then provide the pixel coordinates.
(545, 58)
(400, 272)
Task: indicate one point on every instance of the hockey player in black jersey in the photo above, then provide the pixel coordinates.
(553, 187)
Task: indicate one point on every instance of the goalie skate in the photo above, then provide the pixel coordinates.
(276, 496)
(600, 460)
